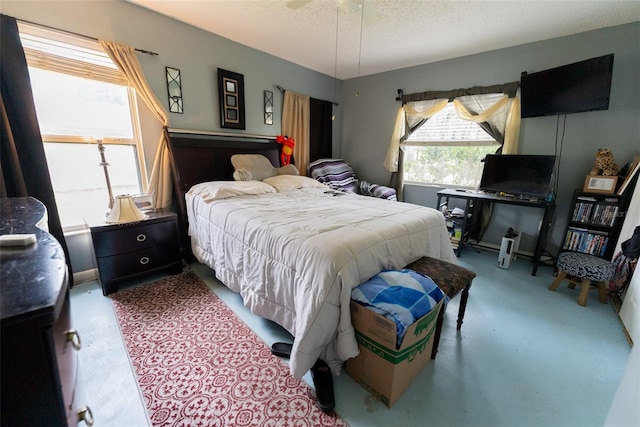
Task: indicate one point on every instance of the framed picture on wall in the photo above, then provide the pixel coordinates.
(231, 97)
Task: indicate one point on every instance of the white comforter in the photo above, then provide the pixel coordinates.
(294, 257)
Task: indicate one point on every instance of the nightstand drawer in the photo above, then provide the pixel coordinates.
(120, 240)
(120, 266)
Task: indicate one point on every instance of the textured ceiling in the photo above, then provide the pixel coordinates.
(335, 38)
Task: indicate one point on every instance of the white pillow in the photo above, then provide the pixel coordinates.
(215, 190)
(288, 170)
(252, 167)
(292, 182)
(257, 167)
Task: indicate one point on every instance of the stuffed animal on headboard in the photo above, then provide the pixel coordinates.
(287, 149)
(604, 164)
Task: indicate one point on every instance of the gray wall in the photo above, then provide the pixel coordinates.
(198, 55)
(364, 122)
(368, 118)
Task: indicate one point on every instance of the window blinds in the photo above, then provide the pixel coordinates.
(64, 53)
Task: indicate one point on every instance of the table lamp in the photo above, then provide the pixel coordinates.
(124, 210)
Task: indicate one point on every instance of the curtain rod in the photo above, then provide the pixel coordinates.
(283, 90)
(148, 52)
(507, 88)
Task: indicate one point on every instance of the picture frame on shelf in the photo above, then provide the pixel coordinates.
(632, 170)
(144, 202)
(600, 184)
(231, 99)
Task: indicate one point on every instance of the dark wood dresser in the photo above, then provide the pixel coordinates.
(39, 366)
(131, 249)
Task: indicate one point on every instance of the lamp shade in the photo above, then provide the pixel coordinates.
(124, 210)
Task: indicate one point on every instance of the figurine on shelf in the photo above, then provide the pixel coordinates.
(604, 164)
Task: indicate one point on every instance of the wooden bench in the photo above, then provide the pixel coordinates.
(452, 279)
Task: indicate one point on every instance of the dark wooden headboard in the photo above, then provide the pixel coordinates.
(206, 156)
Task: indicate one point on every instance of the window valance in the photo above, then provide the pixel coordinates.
(509, 89)
(499, 116)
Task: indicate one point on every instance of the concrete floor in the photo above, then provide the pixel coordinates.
(525, 356)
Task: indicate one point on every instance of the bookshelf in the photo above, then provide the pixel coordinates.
(457, 226)
(594, 223)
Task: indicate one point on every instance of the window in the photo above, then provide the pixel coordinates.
(447, 150)
(81, 97)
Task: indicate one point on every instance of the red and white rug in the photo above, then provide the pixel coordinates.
(198, 364)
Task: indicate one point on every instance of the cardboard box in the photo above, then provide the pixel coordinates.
(381, 369)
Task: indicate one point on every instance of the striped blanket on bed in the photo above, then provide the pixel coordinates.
(376, 190)
(339, 175)
(402, 296)
(336, 173)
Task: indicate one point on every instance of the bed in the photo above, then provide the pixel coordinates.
(292, 249)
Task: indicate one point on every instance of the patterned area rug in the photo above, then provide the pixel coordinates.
(198, 364)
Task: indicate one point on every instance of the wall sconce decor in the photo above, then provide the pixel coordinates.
(174, 88)
(268, 107)
(231, 96)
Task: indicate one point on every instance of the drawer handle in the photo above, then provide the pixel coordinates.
(85, 414)
(144, 260)
(74, 338)
(141, 238)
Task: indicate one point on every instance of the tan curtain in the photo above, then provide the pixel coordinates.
(500, 112)
(391, 160)
(512, 128)
(295, 124)
(409, 115)
(125, 58)
(496, 109)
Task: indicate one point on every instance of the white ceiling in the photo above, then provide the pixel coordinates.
(399, 34)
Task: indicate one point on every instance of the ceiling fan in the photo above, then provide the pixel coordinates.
(365, 7)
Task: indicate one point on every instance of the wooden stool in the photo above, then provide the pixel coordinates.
(452, 279)
(583, 269)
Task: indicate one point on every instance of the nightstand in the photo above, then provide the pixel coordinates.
(124, 251)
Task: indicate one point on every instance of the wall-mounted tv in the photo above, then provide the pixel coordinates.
(574, 88)
(519, 175)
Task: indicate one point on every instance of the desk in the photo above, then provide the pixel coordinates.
(470, 196)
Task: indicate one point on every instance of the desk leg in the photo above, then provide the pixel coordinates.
(542, 239)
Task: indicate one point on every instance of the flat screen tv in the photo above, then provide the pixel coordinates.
(518, 175)
(574, 88)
